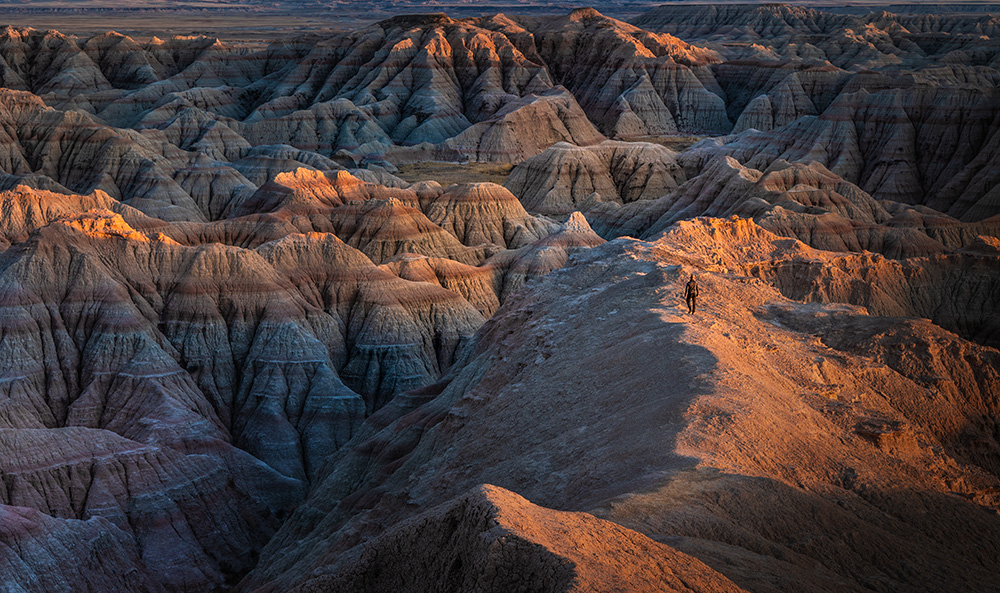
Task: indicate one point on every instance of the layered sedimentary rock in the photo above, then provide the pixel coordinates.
(564, 178)
(183, 382)
(782, 31)
(158, 518)
(187, 128)
(632, 82)
(934, 147)
(512, 269)
(905, 113)
(523, 129)
(41, 553)
(957, 290)
(784, 444)
(188, 394)
(807, 202)
(474, 283)
(232, 340)
(486, 213)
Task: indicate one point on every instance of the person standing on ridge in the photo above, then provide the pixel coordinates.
(691, 294)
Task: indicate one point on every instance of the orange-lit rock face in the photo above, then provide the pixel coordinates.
(183, 128)
(761, 427)
(100, 224)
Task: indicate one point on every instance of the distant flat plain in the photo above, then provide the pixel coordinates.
(257, 20)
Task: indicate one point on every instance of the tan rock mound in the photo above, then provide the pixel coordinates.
(474, 283)
(875, 139)
(804, 201)
(629, 80)
(515, 268)
(396, 335)
(564, 177)
(957, 290)
(193, 398)
(520, 130)
(384, 228)
(477, 213)
(158, 518)
(306, 191)
(25, 209)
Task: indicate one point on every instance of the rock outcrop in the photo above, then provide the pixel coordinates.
(783, 444)
(630, 81)
(901, 106)
(189, 128)
(41, 553)
(514, 268)
(494, 541)
(181, 394)
(237, 352)
(564, 178)
(804, 201)
(486, 213)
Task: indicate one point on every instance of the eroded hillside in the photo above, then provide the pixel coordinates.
(238, 353)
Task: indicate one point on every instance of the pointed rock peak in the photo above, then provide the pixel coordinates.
(308, 177)
(573, 233)
(727, 165)
(726, 237)
(11, 99)
(576, 223)
(9, 31)
(111, 36)
(782, 175)
(292, 250)
(393, 203)
(156, 41)
(53, 34)
(478, 192)
(344, 179)
(984, 245)
(102, 224)
(420, 186)
(501, 19)
(585, 13)
(296, 240)
(161, 238)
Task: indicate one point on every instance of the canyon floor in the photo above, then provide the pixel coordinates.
(398, 304)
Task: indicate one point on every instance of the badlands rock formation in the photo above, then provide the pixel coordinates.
(901, 106)
(808, 202)
(495, 541)
(783, 444)
(184, 128)
(565, 177)
(239, 352)
(177, 386)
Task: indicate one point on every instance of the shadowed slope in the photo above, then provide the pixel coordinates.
(782, 442)
(492, 540)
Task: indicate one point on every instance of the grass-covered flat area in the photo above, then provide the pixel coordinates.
(449, 173)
